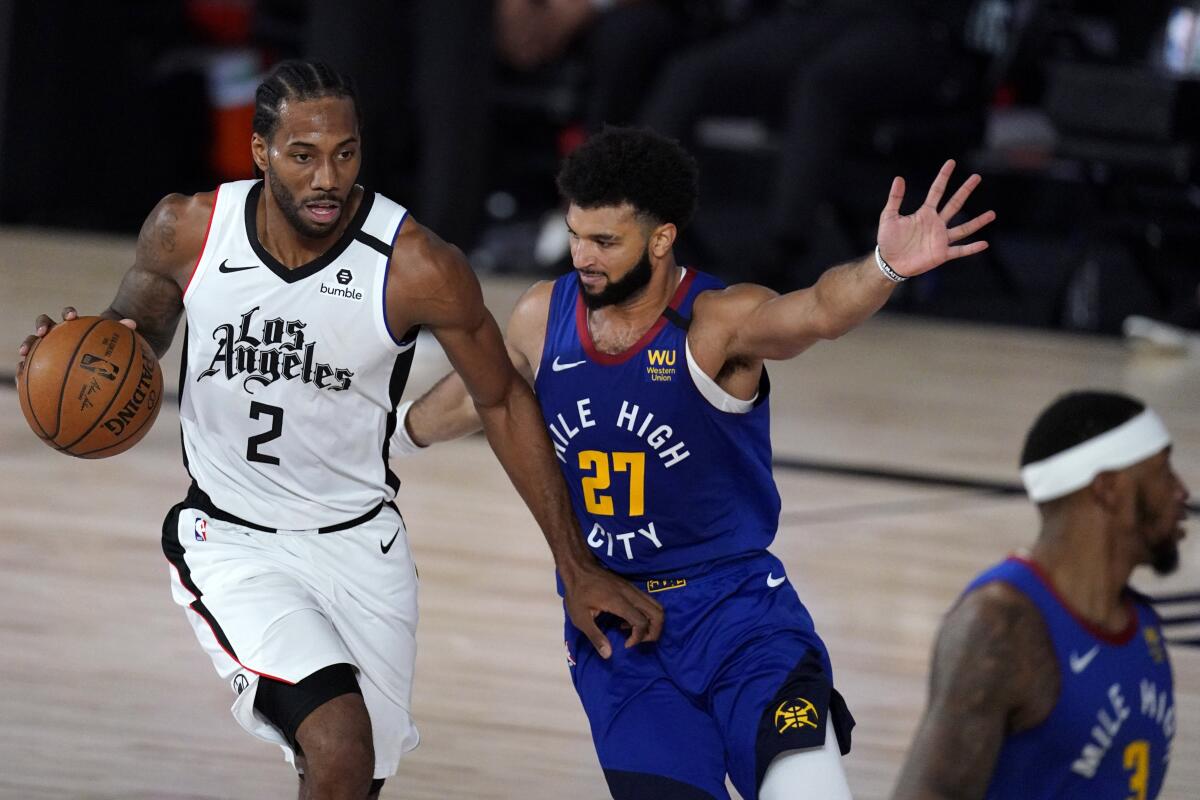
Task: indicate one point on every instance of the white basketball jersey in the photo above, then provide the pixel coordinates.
(291, 377)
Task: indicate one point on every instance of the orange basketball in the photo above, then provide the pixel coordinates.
(90, 387)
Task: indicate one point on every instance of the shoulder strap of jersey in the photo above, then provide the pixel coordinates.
(698, 283)
(560, 321)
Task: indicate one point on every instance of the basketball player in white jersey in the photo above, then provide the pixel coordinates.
(303, 294)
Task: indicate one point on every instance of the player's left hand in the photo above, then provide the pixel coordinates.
(593, 590)
(920, 241)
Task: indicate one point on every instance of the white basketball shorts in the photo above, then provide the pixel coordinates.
(285, 604)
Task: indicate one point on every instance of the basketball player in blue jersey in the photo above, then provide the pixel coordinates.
(303, 293)
(1050, 675)
(651, 382)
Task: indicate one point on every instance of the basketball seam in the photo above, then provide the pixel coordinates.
(135, 350)
(146, 420)
(29, 398)
(62, 387)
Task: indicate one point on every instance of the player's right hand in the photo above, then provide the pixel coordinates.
(42, 326)
(594, 590)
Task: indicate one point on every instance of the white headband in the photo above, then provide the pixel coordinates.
(1075, 467)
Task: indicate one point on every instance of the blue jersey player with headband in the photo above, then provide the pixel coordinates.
(651, 380)
(1050, 675)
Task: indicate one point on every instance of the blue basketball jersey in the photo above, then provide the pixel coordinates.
(662, 480)
(1110, 732)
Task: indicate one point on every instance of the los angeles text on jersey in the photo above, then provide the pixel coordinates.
(278, 351)
(654, 432)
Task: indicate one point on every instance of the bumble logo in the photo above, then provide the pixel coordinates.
(795, 713)
(661, 366)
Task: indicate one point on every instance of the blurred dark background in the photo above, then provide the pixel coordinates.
(1081, 116)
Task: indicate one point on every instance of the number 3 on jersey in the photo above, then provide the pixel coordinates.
(257, 410)
(601, 479)
(1137, 761)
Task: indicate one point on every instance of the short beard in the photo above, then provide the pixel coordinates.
(619, 291)
(291, 207)
(1164, 555)
(1164, 559)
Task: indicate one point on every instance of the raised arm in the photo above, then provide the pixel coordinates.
(994, 673)
(150, 296)
(765, 325)
(430, 283)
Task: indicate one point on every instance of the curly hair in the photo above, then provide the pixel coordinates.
(652, 173)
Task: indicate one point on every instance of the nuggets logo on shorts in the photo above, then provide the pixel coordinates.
(795, 713)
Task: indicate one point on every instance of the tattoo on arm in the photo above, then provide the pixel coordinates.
(150, 293)
(993, 672)
(166, 230)
(154, 302)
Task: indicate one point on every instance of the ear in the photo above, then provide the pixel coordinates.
(258, 151)
(1108, 490)
(662, 239)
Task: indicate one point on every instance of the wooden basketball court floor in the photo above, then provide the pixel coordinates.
(104, 693)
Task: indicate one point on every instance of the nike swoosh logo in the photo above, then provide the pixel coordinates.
(385, 547)
(224, 268)
(772, 581)
(1080, 662)
(557, 367)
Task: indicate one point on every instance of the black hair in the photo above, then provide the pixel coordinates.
(652, 173)
(298, 80)
(1073, 419)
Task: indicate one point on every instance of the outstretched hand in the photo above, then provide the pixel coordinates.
(594, 590)
(920, 241)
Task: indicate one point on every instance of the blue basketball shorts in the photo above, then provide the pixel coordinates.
(738, 676)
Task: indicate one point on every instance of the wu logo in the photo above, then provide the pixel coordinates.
(661, 358)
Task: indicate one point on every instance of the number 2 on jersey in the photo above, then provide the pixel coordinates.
(593, 485)
(258, 409)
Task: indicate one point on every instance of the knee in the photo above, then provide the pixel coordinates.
(339, 769)
(346, 745)
(339, 753)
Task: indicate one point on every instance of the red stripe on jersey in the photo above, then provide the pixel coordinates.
(218, 637)
(607, 359)
(207, 230)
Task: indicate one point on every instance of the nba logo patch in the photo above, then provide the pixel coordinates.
(201, 530)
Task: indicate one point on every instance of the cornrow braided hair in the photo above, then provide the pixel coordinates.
(298, 80)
